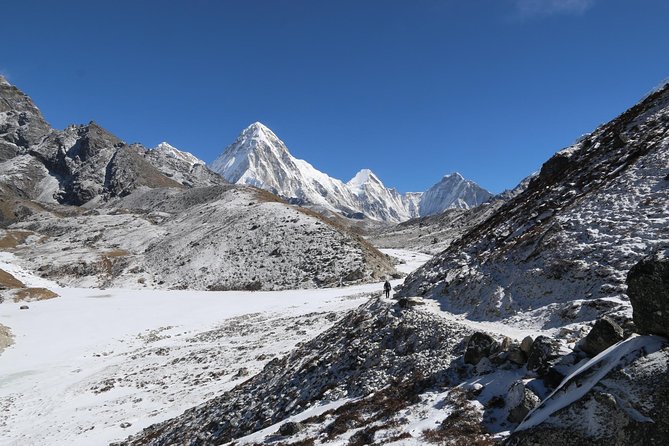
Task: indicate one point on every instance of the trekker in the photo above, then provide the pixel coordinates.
(386, 289)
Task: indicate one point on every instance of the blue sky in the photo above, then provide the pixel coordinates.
(411, 89)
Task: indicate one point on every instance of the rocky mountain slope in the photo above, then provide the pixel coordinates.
(560, 250)
(80, 163)
(259, 158)
(216, 238)
(358, 376)
(95, 211)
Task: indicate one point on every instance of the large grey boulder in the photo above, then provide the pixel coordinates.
(479, 346)
(520, 401)
(603, 335)
(543, 354)
(648, 290)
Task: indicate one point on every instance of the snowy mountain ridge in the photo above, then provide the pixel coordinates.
(170, 151)
(259, 158)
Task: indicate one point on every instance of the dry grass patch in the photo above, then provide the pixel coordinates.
(116, 253)
(7, 281)
(13, 238)
(463, 427)
(264, 196)
(33, 294)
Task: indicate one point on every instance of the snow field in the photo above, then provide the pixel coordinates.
(94, 366)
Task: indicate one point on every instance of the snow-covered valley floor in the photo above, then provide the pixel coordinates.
(94, 366)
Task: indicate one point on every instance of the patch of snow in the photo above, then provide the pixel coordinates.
(569, 391)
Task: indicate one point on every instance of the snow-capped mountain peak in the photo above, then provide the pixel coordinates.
(452, 191)
(172, 152)
(363, 177)
(259, 158)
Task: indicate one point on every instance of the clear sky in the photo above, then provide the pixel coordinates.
(412, 89)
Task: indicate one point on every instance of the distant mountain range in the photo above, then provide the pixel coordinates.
(259, 158)
(86, 163)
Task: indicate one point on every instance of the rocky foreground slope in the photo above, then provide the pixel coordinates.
(403, 373)
(81, 207)
(562, 248)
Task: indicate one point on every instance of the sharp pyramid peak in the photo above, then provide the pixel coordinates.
(364, 176)
(454, 175)
(257, 128)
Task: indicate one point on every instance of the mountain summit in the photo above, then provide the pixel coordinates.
(259, 158)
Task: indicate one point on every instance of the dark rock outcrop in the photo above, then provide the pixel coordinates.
(290, 428)
(543, 353)
(479, 346)
(603, 335)
(648, 290)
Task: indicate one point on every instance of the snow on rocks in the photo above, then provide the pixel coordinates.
(618, 397)
(380, 356)
(259, 158)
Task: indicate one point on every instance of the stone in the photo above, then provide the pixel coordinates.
(479, 346)
(552, 378)
(526, 344)
(517, 356)
(504, 345)
(125, 425)
(484, 366)
(605, 333)
(290, 428)
(542, 355)
(648, 290)
(475, 390)
(520, 401)
(24, 307)
(406, 302)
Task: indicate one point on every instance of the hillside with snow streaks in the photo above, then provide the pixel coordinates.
(83, 208)
(561, 249)
(259, 158)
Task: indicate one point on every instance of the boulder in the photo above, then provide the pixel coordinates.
(542, 355)
(517, 355)
(552, 378)
(520, 401)
(503, 346)
(603, 335)
(526, 344)
(479, 346)
(648, 290)
(24, 307)
(290, 428)
(406, 302)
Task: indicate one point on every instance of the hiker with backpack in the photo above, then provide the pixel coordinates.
(386, 289)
